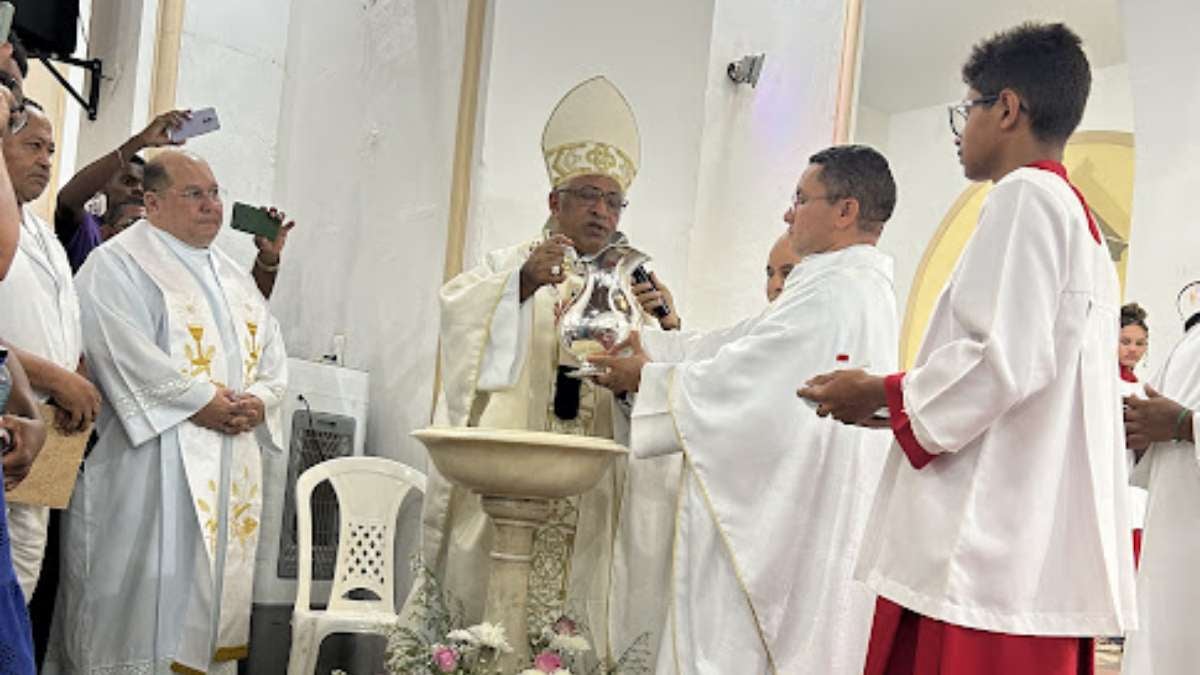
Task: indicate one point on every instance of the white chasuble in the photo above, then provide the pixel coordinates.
(500, 360)
(773, 499)
(1168, 592)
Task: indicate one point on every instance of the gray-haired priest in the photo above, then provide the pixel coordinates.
(161, 532)
(503, 367)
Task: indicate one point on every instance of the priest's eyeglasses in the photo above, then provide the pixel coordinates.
(195, 194)
(615, 201)
(961, 111)
(800, 199)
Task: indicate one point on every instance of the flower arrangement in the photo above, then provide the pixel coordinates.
(440, 646)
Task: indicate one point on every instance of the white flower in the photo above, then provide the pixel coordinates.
(490, 635)
(463, 636)
(535, 671)
(573, 644)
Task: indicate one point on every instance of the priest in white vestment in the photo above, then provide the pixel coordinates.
(161, 533)
(502, 366)
(774, 499)
(1165, 642)
(41, 324)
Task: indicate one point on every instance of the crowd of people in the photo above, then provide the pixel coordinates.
(793, 501)
(132, 338)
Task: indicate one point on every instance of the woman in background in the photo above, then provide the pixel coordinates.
(1135, 339)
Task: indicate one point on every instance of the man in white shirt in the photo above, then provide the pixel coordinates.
(41, 323)
(999, 538)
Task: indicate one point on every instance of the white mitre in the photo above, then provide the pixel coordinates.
(592, 132)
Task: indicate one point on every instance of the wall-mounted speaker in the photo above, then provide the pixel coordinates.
(47, 26)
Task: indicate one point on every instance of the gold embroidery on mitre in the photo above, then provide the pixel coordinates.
(590, 158)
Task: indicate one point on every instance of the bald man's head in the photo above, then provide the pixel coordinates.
(183, 198)
(780, 262)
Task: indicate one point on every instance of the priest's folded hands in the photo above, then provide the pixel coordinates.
(231, 413)
(622, 365)
(1155, 419)
(850, 396)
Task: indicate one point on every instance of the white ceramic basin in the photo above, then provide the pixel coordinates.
(517, 463)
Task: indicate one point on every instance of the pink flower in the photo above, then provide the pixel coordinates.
(565, 626)
(445, 658)
(547, 662)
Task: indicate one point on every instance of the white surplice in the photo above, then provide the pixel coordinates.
(1165, 642)
(161, 532)
(499, 365)
(1020, 523)
(41, 316)
(774, 498)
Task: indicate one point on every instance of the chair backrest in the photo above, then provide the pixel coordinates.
(369, 492)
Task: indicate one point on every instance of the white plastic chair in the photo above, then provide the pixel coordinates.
(369, 493)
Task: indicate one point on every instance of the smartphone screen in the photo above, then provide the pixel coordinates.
(254, 220)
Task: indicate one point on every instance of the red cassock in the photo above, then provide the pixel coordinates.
(906, 643)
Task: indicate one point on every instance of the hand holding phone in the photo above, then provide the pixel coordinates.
(255, 221)
(200, 122)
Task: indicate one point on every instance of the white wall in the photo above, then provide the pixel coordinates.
(756, 142)
(871, 126)
(920, 149)
(655, 53)
(366, 132)
(229, 60)
(929, 179)
(1166, 94)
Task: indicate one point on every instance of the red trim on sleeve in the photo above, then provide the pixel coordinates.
(901, 425)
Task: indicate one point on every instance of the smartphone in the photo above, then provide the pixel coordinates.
(7, 12)
(254, 220)
(201, 122)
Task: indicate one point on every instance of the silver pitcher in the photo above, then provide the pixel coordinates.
(604, 311)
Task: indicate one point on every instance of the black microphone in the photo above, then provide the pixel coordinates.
(641, 276)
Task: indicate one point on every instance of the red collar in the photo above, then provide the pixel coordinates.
(1127, 374)
(1059, 170)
